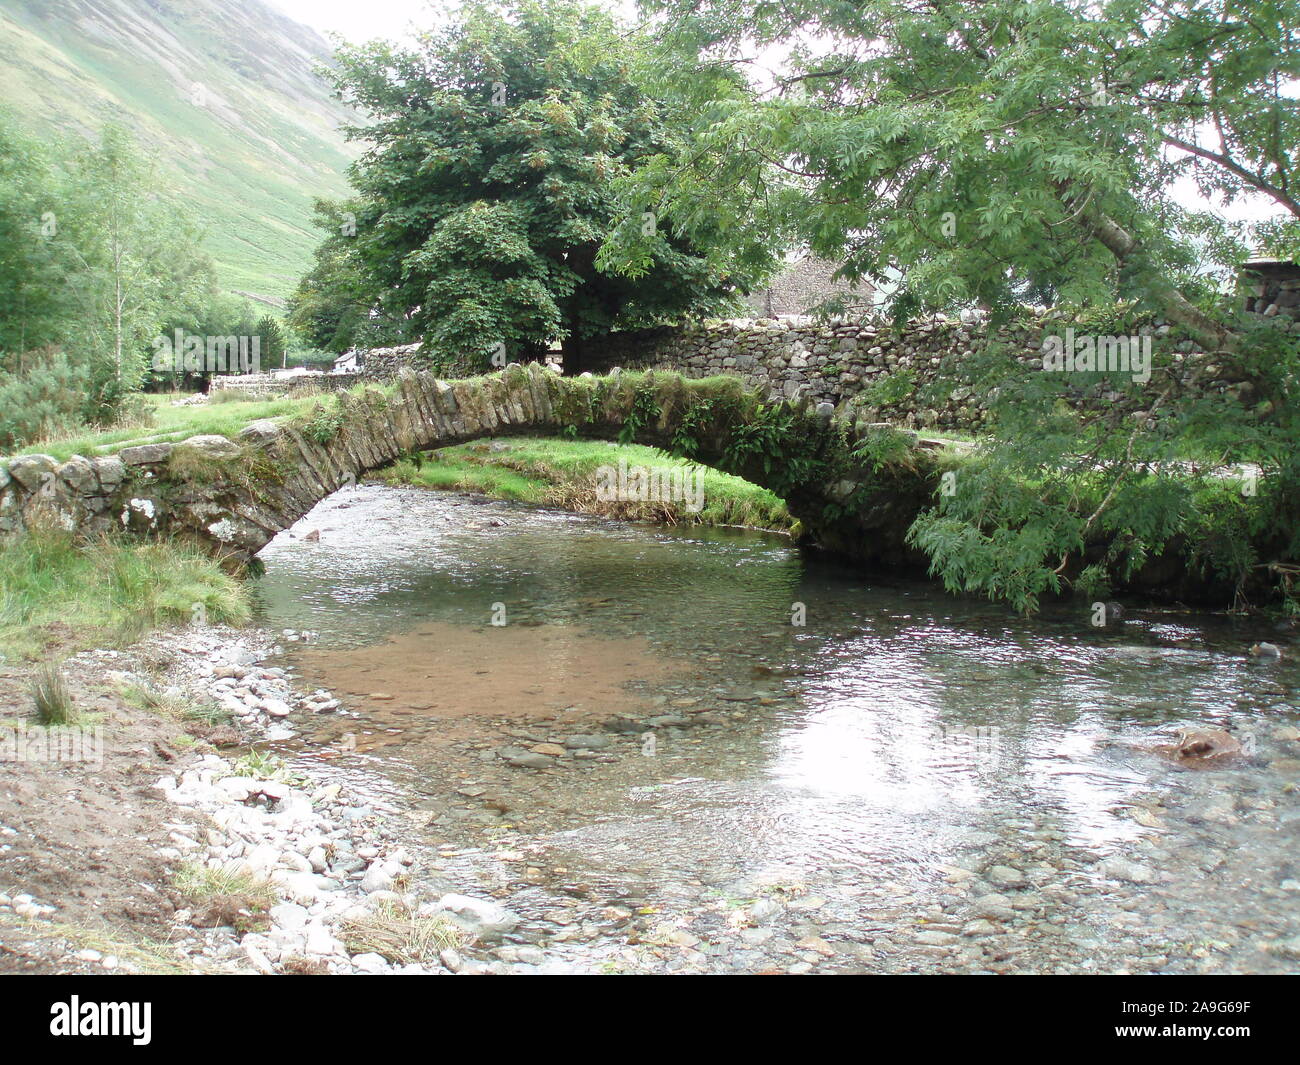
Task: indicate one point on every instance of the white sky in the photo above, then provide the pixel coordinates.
(358, 20)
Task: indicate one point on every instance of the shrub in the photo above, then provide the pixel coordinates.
(47, 397)
(891, 389)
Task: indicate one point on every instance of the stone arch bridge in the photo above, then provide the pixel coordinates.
(855, 487)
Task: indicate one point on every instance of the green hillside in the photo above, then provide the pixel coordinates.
(222, 90)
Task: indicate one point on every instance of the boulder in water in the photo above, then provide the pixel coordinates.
(1202, 747)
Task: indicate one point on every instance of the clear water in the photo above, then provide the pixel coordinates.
(869, 772)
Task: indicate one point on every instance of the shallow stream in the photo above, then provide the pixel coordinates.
(904, 782)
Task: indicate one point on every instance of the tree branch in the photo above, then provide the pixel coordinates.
(1126, 247)
(1253, 180)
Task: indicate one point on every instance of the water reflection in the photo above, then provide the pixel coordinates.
(898, 735)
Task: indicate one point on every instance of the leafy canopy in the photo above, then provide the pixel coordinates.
(993, 150)
(491, 184)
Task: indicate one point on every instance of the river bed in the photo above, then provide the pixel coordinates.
(625, 735)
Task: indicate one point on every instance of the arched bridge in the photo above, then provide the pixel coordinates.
(855, 487)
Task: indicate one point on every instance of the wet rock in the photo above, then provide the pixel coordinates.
(994, 907)
(1005, 876)
(1123, 869)
(479, 917)
(1200, 746)
(1285, 948)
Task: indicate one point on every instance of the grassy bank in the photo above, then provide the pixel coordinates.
(568, 473)
(55, 591)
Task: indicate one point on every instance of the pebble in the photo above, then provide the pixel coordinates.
(993, 907)
(1006, 876)
(1285, 948)
(1123, 869)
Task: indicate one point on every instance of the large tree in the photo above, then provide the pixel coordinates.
(93, 262)
(989, 147)
(993, 150)
(489, 189)
(137, 259)
(36, 306)
(334, 308)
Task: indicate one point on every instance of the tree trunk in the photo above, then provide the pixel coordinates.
(1120, 243)
(1213, 335)
(572, 350)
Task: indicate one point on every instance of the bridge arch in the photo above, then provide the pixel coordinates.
(855, 487)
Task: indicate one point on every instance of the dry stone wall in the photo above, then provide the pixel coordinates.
(835, 362)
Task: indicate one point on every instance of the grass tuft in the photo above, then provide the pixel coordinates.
(402, 937)
(263, 765)
(177, 707)
(226, 895)
(54, 704)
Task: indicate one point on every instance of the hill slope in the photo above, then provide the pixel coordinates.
(223, 91)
